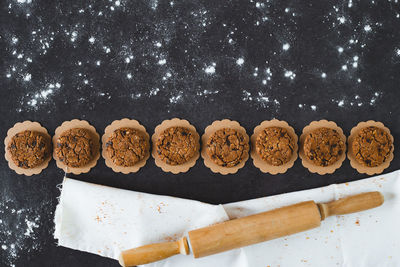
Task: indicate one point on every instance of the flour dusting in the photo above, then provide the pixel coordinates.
(19, 231)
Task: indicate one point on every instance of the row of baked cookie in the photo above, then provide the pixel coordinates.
(225, 146)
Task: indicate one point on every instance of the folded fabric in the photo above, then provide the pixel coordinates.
(105, 220)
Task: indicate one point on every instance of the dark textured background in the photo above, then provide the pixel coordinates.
(103, 60)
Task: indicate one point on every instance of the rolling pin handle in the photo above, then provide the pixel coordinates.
(356, 203)
(153, 252)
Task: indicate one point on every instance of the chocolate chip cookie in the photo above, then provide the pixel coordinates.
(176, 145)
(29, 149)
(324, 146)
(227, 147)
(74, 147)
(275, 146)
(127, 146)
(372, 146)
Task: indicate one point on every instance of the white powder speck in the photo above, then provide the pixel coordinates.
(286, 47)
(240, 61)
(162, 62)
(367, 28)
(20, 56)
(350, 4)
(85, 81)
(158, 44)
(92, 39)
(398, 51)
(340, 49)
(341, 103)
(175, 99)
(359, 80)
(154, 91)
(45, 93)
(73, 36)
(341, 19)
(313, 107)
(27, 77)
(106, 49)
(30, 225)
(8, 75)
(117, 3)
(287, 10)
(4, 247)
(210, 69)
(129, 76)
(290, 74)
(300, 105)
(32, 102)
(356, 97)
(98, 62)
(136, 96)
(264, 82)
(323, 75)
(14, 40)
(344, 67)
(355, 64)
(355, 58)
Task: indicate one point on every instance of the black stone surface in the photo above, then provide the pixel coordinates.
(100, 61)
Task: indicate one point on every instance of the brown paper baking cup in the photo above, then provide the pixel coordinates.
(210, 130)
(354, 163)
(20, 127)
(310, 165)
(262, 164)
(175, 169)
(66, 125)
(109, 131)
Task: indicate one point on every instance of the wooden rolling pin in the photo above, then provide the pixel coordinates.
(251, 229)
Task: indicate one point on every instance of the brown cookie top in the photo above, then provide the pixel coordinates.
(176, 145)
(29, 149)
(323, 146)
(275, 146)
(127, 146)
(372, 146)
(74, 147)
(227, 147)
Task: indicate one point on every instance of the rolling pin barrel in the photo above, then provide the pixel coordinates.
(254, 229)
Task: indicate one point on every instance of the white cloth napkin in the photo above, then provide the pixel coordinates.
(105, 220)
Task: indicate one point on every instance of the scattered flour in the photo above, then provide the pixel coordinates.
(210, 69)
(162, 62)
(290, 74)
(176, 98)
(19, 232)
(240, 61)
(286, 47)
